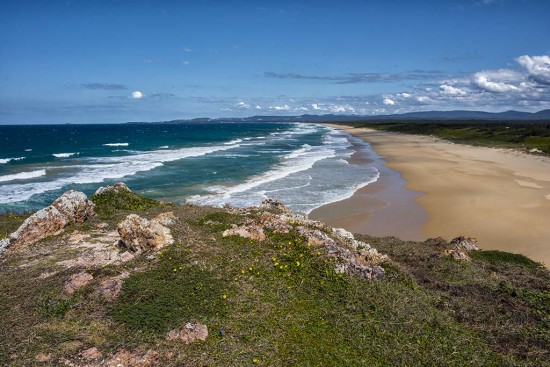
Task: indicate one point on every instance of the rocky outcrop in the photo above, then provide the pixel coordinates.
(118, 187)
(189, 333)
(457, 255)
(166, 219)
(351, 256)
(463, 243)
(141, 235)
(71, 207)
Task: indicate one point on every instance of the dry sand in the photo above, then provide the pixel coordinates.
(501, 197)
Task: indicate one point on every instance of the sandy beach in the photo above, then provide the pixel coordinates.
(501, 197)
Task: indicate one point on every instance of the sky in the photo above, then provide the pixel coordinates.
(92, 61)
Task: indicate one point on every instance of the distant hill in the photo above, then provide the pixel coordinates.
(423, 115)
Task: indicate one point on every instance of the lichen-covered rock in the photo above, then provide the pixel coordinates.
(252, 231)
(166, 219)
(189, 333)
(119, 186)
(77, 281)
(141, 235)
(457, 255)
(91, 354)
(74, 206)
(71, 207)
(274, 205)
(464, 243)
(111, 287)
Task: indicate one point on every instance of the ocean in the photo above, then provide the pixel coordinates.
(240, 164)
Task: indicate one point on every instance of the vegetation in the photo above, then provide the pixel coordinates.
(278, 303)
(113, 202)
(522, 135)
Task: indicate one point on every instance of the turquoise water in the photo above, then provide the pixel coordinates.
(205, 163)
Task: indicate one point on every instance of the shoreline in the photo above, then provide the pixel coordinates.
(499, 196)
(382, 208)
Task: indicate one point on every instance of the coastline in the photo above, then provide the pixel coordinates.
(501, 197)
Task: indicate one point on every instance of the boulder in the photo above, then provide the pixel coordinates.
(189, 333)
(71, 207)
(464, 243)
(141, 235)
(119, 186)
(74, 206)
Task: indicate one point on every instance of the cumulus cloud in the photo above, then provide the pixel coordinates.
(449, 90)
(538, 67)
(497, 81)
(280, 108)
(388, 102)
(136, 95)
(242, 105)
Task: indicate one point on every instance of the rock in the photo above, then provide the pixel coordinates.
(250, 230)
(189, 333)
(457, 255)
(119, 186)
(110, 288)
(274, 205)
(91, 354)
(77, 281)
(71, 207)
(43, 357)
(141, 235)
(166, 219)
(74, 206)
(123, 358)
(464, 243)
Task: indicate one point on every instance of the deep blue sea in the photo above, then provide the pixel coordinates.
(305, 165)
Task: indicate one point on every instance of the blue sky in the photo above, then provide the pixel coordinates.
(116, 61)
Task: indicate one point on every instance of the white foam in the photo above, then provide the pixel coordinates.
(6, 160)
(23, 175)
(105, 168)
(116, 145)
(28, 150)
(236, 141)
(299, 160)
(64, 155)
(164, 147)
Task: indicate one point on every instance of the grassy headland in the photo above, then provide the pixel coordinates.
(521, 135)
(273, 303)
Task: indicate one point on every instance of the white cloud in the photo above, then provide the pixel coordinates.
(137, 95)
(389, 102)
(498, 81)
(301, 109)
(449, 90)
(280, 108)
(186, 49)
(423, 99)
(537, 66)
(315, 106)
(242, 105)
(405, 95)
(258, 107)
(185, 62)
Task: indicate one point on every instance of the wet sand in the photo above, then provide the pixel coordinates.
(499, 196)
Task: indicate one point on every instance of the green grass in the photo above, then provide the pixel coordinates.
(281, 303)
(496, 257)
(169, 294)
(10, 222)
(111, 203)
(517, 135)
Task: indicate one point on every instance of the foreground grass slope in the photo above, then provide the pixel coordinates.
(275, 303)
